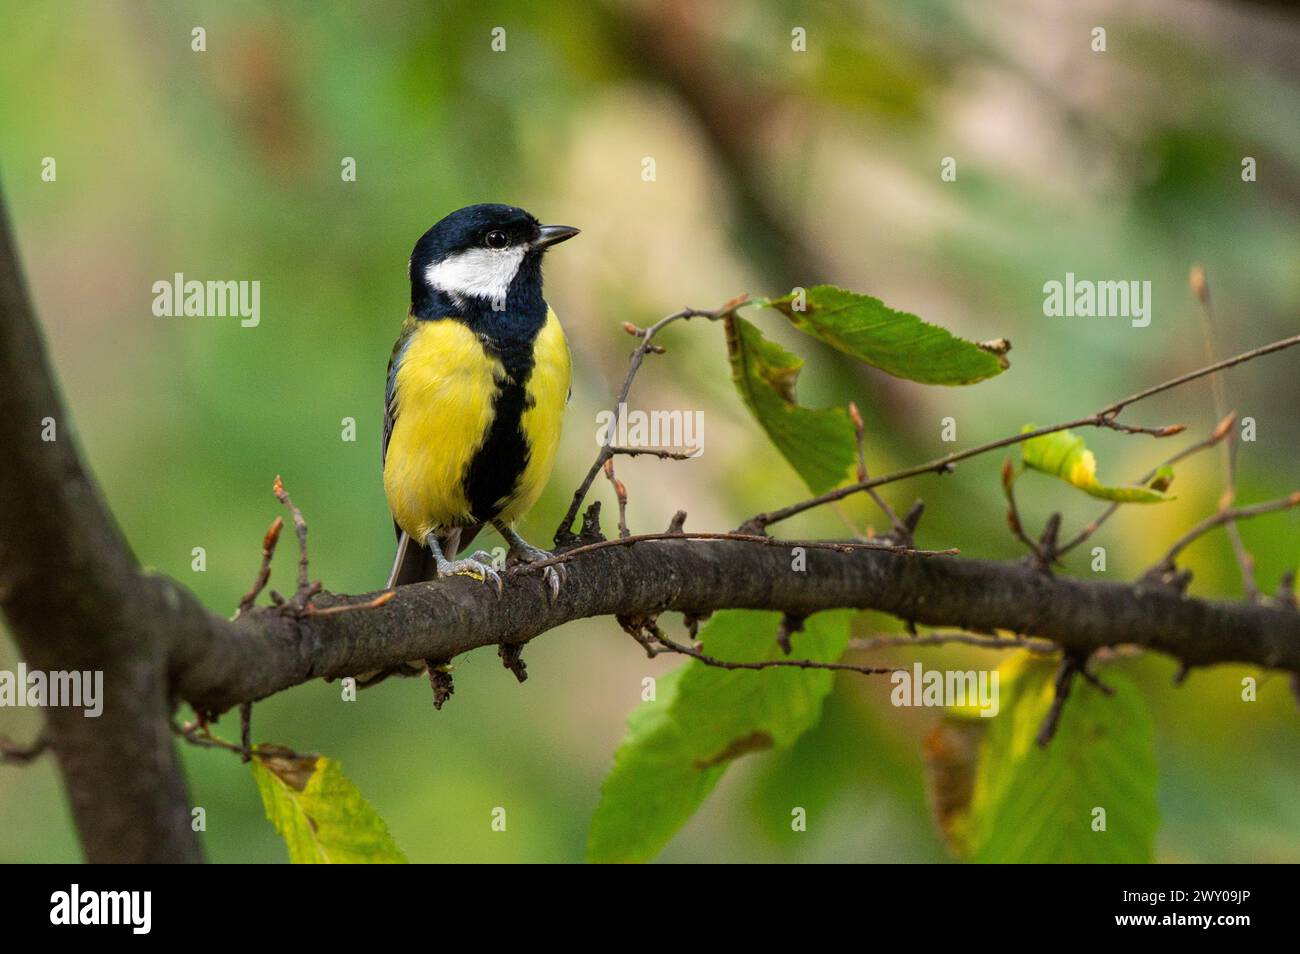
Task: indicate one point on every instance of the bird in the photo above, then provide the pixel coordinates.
(476, 391)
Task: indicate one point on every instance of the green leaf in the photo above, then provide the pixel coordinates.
(678, 747)
(319, 813)
(818, 442)
(1064, 455)
(1034, 805)
(894, 341)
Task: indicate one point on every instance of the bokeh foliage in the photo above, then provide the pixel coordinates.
(774, 169)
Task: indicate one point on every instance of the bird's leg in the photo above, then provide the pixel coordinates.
(478, 565)
(525, 552)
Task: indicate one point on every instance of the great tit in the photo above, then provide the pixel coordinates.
(477, 386)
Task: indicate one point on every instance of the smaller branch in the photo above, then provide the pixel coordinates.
(900, 532)
(1166, 563)
(1168, 430)
(198, 733)
(655, 452)
(1013, 514)
(1201, 289)
(1113, 409)
(302, 596)
(12, 753)
(564, 533)
(377, 602)
(673, 646)
(1065, 674)
(950, 639)
(1103, 418)
(1072, 665)
(620, 491)
(269, 541)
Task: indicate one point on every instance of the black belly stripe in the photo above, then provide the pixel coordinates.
(494, 471)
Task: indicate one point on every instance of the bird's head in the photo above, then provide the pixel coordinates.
(482, 255)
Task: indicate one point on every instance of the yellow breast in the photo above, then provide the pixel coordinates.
(445, 385)
(548, 393)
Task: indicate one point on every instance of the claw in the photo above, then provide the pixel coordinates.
(524, 552)
(478, 566)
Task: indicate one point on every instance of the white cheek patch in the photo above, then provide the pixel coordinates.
(484, 273)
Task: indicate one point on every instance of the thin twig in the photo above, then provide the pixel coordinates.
(564, 533)
(299, 525)
(655, 452)
(900, 532)
(1280, 345)
(949, 639)
(1065, 674)
(1166, 562)
(1013, 514)
(377, 602)
(269, 541)
(620, 492)
(1201, 289)
(1103, 418)
(675, 647)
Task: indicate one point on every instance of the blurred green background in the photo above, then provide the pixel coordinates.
(774, 168)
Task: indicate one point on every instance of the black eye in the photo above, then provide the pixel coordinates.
(496, 239)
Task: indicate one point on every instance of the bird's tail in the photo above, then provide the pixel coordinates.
(415, 563)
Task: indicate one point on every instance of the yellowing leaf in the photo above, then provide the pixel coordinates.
(319, 813)
(1064, 455)
(1089, 796)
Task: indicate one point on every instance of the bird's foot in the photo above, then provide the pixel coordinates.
(477, 565)
(554, 574)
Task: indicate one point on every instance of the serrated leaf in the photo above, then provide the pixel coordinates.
(1065, 455)
(319, 812)
(678, 747)
(1035, 805)
(818, 442)
(897, 342)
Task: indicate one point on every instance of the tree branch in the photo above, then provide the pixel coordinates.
(225, 663)
(75, 598)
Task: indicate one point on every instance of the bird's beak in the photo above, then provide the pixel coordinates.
(553, 235)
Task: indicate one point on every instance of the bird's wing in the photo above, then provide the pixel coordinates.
(390, 390)
(390, 396)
